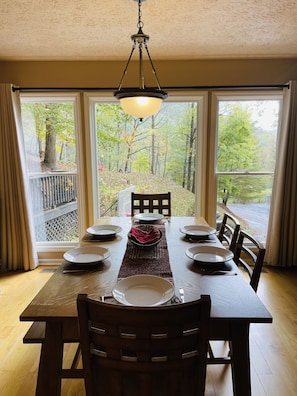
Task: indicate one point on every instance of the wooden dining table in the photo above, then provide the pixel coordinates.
(234, 304)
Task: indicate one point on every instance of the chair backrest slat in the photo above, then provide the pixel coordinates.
(249, 253)
(229, 230)
(152, 203)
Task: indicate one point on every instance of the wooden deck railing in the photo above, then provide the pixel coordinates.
(51, 190)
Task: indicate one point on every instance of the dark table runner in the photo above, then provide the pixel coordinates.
(147, 260)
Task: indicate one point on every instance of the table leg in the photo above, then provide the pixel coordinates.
(241, 375)
(50, 365)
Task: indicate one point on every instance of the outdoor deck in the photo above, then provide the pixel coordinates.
(54, 196)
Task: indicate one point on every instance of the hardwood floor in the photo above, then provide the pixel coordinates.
(273, 346)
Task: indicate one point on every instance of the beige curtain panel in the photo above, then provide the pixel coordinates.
(17, 241)
(281, 246)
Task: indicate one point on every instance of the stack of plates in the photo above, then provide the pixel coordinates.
(102, 232)
(148, 217)
(154, 236)
(197, 231)
(86, 255)
(209, 255)
(143, 291)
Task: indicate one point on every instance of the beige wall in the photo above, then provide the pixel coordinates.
(170, 73)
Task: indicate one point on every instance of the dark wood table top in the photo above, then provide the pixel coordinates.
(231, 296)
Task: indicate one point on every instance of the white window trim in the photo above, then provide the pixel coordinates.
(212, 173)
(62, 97)
(201, 98)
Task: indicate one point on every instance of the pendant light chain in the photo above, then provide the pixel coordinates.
(140, 24)
(141, 40)
(142, 101)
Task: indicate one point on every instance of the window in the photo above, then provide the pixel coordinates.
(117, 153)
(158, 154)
(79, 173)
(50, 134)
(247, 127)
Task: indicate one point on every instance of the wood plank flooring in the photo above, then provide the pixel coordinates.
(273, 346)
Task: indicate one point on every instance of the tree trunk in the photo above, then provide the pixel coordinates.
(50, 147)
(153, 156)
(130, 141)
(191, 156)
(185, 163)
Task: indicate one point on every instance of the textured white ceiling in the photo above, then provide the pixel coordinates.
(191, 29)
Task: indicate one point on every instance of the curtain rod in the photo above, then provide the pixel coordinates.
(179, 88)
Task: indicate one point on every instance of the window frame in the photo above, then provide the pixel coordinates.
(213, 174)
(200, 97)
(206, 149)
(46, 249)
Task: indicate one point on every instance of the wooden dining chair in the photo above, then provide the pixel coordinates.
(145, 350)
(151, 203)
(249, 256)
(228, 231)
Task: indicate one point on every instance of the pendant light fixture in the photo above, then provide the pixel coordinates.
(140, 102)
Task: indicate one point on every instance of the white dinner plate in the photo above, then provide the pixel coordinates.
(143, 291)
(148, 216)
(198, 230)
(86, 255)
(104, 230)
(209, 254)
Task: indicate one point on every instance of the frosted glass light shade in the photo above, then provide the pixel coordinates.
(141, 106)
(140, 103)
